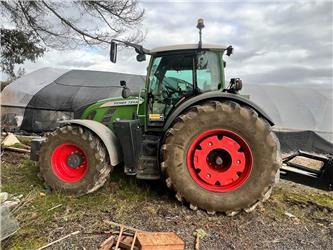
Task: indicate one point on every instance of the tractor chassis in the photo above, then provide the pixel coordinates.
(142, 150)
(142, 159)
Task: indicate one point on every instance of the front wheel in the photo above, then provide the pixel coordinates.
(73, 160)
(220, 156)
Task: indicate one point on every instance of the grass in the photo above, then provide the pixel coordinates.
(306, 204)
(35, 217)
(24, 139)
(40, 222)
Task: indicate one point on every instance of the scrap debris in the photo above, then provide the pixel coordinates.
(160, 241)
(293, 217)
(10, 142)
(58, 240)
(199, 234)
(52, 208)
(130, 238)
(125, 238)
(9, 224)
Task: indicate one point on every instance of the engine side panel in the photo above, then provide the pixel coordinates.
(109, 110)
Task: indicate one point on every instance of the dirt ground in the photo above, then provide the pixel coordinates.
(295, 217)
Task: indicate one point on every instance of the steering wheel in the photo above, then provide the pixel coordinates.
(168, 91)
(171, 89)
(187, 84)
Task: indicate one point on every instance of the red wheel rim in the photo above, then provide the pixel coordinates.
(219, 160)
(69, 162)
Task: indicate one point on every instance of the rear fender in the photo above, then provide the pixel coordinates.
(106, 135)
(214, 95)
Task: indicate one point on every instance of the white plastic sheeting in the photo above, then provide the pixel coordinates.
(296, 107)
(38, 101)
(20, 92)
(292, 107)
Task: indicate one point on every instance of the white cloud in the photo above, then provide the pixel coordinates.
(274, 41)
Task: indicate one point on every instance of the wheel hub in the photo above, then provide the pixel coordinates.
(219, 160)
(75, 160)
(69, 162)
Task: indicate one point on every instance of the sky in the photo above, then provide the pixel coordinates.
(275, 42)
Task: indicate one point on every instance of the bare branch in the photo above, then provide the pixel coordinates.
(64, 25)
(94, 24)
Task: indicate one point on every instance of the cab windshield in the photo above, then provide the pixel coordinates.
(177, 76)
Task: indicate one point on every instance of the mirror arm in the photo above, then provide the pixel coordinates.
(138, 48)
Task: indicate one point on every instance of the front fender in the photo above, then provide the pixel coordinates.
(215, 95)
(105, 134)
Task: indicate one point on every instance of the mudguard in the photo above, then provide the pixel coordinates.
(214, 95)
(105, 134)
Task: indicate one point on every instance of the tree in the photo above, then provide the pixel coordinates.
(16, 47)
(67, 25)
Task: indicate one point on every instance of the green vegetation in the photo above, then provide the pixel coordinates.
(24, 139)
(309, 204)
(45, 216)
(37, 214)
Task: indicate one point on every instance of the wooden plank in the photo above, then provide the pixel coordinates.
(119, 236)
(121, 225)
(20, 150)
(126, 243)
(134, 239)
(108, 243)
(160, 241)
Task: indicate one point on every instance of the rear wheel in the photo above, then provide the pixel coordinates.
(221, 157)
(73, 160)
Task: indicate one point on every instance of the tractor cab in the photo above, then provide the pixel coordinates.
(177, 73)
(180, 72)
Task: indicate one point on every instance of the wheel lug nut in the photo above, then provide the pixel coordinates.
(210, 144)
(238, 161)
(208, 175)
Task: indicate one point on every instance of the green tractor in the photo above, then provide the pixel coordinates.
(214, 147)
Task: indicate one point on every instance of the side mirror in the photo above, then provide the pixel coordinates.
(126, 92)
(141, 57)
(230, 50)
(123, 83)
(113, 52)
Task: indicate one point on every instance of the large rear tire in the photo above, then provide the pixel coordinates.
(221, 157)
(73, 160)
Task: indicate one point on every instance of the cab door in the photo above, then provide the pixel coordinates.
(171, 79)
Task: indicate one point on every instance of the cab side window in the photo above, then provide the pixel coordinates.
(208, 72)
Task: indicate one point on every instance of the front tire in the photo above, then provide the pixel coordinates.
(221, 157)
(73, 160)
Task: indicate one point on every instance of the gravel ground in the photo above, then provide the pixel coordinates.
(295, 217)
(266, 228)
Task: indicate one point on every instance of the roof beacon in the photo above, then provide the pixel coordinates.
(200, 26)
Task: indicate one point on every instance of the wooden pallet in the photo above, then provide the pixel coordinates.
(133, 239)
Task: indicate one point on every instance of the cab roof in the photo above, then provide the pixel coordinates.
(188, 47)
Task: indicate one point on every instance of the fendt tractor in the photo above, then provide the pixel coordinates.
(213, 146)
